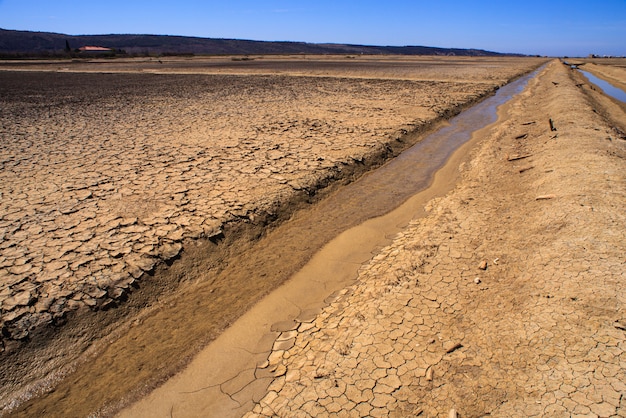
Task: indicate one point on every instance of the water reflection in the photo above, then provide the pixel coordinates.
(608, 88)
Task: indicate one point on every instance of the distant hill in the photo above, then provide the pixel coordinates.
(25, 43)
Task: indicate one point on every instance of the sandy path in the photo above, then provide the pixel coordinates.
(507, 299)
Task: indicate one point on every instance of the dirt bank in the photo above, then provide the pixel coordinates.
(506, 300)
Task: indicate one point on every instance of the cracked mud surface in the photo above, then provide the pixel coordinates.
(506, 300)
(106, 177)
(103, 179)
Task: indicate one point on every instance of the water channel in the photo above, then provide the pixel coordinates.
(608, 88)
(318, 250)
(384, 200)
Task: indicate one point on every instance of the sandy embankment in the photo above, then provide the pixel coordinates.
(105, 176)
(614, 72)
(507, 299)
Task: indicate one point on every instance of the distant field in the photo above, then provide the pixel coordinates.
(478, 69)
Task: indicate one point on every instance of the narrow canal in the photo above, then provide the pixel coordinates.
(608, 88)
(155, 346)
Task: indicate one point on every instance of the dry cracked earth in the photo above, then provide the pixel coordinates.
(506, 299)
(107, 173)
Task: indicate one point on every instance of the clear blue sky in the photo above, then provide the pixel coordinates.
(562, 27)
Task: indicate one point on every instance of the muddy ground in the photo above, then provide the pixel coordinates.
(116, 185)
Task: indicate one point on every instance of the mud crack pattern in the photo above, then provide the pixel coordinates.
(104, 176)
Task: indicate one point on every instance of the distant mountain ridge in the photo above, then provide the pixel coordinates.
(13, 42)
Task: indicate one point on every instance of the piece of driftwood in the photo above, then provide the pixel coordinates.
(545, 197)
(517, 157)
(522, 136)
(528, 123)
(429, 374)
(454, 348)
(552, 128)
(521, 170)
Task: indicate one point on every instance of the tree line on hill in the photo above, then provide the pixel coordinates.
(25, 44)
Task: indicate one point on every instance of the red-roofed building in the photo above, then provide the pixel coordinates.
(95, 49)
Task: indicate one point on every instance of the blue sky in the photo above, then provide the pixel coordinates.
(556, 28)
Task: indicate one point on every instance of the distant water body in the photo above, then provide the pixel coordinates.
(606, 87)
